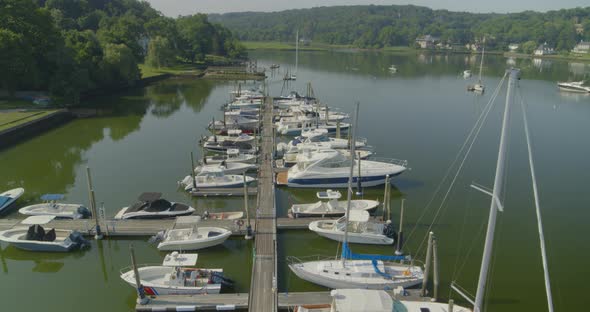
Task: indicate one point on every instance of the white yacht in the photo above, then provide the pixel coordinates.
(231, 155)
(51, 207)
(227, 168)
(244, 147)
(215, 178)
(9, 197)
(361, 230)
(331, 206)
(329, 168)
(355, 300)
(151, 205)
(233, 135)
(290, 157)
(287, 127)
(574, 86)
(177, 276)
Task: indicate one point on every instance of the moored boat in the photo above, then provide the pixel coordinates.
(52, 207)
(331, 206)
(361, 230)
(9, 197)
(35, 238)
(574, 86)
(193, 238)
(150, 205)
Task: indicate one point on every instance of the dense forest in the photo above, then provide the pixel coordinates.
(372, 26)
(69, 47)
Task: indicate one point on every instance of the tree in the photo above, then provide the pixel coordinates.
(528, 47)
(16, 60)
(160, 52)
(195, 36)
(119, 64)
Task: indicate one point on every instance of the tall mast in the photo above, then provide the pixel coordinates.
(296, 50)
(538, 210)
(483, 51)
(349, 194)
(495, 204)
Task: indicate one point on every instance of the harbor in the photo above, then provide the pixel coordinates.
(264, 281)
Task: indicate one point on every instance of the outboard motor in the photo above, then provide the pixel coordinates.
(389, 231)
(83, 213)
(77, 237)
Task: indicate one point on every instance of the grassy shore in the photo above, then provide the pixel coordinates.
(16, 103)
(180, 69)
(12, 119)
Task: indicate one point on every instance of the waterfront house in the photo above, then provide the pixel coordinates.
(544, 49)
(513, 47)
(427, 42)
(582, 48)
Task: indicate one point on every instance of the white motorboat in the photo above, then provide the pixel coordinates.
(215, 178)
(193, 238)
(150, 205)
(9, 197)
(228, 215)
(227, 168)
(329, 168)
(233, 135)
(245, 123)
(574, 86)
(357, 270)
(360, 229)
(231, 156)
(289, 128)
(177, 276)
(331, 206)
(467, 73)
(35, 238)
(355, 300)
(244, 103)
(321, 136)
(244, 147)
(52, 207)
(311, 111)
(290, 157)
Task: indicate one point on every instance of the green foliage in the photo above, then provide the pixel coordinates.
(528, 47)
(69, 47)
(370, 26)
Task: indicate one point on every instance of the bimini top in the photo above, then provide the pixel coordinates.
(48, 197)
(349, 300)
(149, 197)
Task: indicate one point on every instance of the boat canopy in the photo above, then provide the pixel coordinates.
(358, 216)
(149, 196)
(348, 254)
(349, 300)
(48, 197)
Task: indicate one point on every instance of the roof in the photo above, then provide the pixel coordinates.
(52, 197)
(358, 216)
(149, 196)
(349, 300)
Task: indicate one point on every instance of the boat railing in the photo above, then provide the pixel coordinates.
(394, 161)
(298, 260)
(143, 265)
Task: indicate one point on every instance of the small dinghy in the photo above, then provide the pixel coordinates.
(177, 276)
(360, 229)
(51, 207)
(227, 168)
(231, 155)
(150, 205)
(332, 207)
(9, 197)
(193, 238)
(35, 238)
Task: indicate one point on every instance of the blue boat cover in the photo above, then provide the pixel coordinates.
(52, 197)
(4, 200)
(348, 254)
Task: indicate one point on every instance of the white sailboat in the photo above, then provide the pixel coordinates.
(496, 205)
(293, 76)
(331, 206)
(361, 230)
(357, 270)
(479, 87)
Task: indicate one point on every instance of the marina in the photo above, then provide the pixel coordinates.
(259, 266)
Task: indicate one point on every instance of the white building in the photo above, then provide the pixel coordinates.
(544, 49)
(583, 47)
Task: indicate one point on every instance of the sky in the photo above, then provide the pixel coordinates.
(185, 7)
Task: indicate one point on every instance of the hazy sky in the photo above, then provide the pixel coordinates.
(185, 7)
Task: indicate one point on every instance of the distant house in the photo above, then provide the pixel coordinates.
(544, 49)
(513, 47)
(427, 42)
(473, 46)
(579, 29)
(305, 41)
(583, 47)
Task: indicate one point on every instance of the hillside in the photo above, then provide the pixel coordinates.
(371, 26)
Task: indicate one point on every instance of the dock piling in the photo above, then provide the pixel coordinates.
(142, 299)
(435, 271)
(93, 209)
(427, 264)
(400, 234)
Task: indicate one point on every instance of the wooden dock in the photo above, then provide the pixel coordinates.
(263, 287)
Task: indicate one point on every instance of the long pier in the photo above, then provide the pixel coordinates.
(263, 287)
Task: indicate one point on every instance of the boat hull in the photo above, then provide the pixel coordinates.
(160, 288)
(353, 238)
(337, 182)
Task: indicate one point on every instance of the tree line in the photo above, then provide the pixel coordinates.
(69, 47)
(372, 26)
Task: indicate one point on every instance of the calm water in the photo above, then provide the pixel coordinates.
(143, 139)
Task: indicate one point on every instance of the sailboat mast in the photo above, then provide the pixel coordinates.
(538, 211)
(349, 193)
(487, 252)
(483, 51)
(296, 51)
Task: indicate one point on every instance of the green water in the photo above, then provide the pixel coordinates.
(142, 142)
